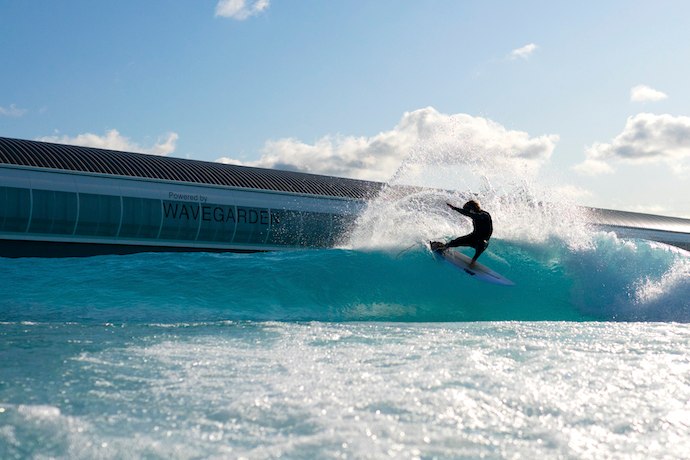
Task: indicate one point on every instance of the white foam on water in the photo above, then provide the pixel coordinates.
(269, 390)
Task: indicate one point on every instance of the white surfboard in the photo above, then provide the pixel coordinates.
(478, 271)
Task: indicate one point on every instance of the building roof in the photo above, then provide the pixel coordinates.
(626, 219)
(100, 161)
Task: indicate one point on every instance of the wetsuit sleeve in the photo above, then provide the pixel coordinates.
(460, 210)
(469, 214)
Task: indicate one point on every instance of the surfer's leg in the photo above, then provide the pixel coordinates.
(478, 249)
(466, 240)
(477, 253)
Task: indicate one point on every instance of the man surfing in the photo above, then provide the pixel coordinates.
(481, 231)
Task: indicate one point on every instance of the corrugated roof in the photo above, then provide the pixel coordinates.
(99, 161)
(639, 220)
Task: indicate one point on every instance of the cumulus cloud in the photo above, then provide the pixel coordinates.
(240, 9)
(646, 138)
(12, 111)
(422, 137)
(523, 52)
(643, 93)
(113, 140)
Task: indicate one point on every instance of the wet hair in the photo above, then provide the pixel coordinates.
(472, 205)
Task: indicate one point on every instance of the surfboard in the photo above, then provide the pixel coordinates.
(477, 271)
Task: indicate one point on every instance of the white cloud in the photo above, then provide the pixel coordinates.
(240, 9)
(523, 52)
(573, 192)
(12, 111)
(643, 93)
(113, 140)
(422, 137)
(593, 166)
(646, 138)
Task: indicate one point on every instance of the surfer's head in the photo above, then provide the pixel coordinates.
(471, 205)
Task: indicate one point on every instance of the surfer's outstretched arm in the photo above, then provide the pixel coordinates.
(460, 210)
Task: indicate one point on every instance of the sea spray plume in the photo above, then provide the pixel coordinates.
(460, 157)
(399, 217)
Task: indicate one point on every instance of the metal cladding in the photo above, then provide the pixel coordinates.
(98, 161)
(626, 219)
(670, 230)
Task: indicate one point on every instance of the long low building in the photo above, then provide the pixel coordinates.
(61, 200)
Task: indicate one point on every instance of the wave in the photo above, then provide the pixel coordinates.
(563, 269)
(608, 279)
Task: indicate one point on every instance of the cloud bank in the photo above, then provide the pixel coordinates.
(240, 9)
(646, 138)
(422, 137)
(113, 140)
(643, 93)
(523, 52)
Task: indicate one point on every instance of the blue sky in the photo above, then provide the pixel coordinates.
(590, 98)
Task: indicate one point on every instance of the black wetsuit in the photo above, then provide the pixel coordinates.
(481, 232)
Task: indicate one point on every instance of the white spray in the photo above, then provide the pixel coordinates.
(450, 163)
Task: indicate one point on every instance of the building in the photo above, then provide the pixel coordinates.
(60, 200)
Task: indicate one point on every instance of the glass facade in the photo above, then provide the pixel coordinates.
(180, 220)
(49, 212)
(252, 225)
(99, 215)
(317, 229)
(286, 229)
(15, 205)
(141, 218)
(53, 212)
(218, 223)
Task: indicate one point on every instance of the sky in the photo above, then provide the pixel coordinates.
(588, 98)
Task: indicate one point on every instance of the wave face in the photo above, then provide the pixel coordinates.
(610, 279)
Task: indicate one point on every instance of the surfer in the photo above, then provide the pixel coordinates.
(481, 231)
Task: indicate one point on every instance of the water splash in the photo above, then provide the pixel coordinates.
(447, 165)
(541, 238)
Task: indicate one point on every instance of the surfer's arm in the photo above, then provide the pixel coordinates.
(460, 210)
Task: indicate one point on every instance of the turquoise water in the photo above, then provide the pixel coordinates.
(374, 349)
(349, 353)
(613, 280)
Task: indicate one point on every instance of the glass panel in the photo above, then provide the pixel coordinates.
(342, 225)
(99, 215)
(316, 230)
(286, 228)
(180, 220)
(141, 217)
(53, 212)
(252, 225)
(217, 222)
(15, 205)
